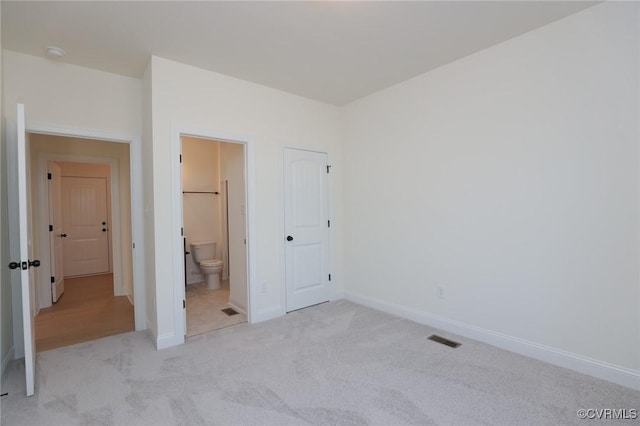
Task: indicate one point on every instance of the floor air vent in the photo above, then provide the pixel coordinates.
(230, 311)
(444, 341)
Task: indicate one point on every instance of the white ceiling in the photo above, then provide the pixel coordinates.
(330, 51)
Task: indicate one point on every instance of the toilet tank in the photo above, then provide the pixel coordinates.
(205, 250)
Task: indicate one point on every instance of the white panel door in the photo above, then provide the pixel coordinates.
(84, 221)
(306, 228)
(17, 139)
(56, 235)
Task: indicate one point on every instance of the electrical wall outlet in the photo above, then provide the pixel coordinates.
(440, 291)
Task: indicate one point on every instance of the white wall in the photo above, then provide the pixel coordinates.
(510, 178)
(232, 169)
(73, 100)
(185, 97)
(71, 96)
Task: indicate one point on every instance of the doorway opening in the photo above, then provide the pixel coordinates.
(214, 223)
(80, 190)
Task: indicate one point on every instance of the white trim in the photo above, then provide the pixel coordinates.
(236, 307)
(137, 218)
(335, 290)
(252, 271)
(177, 132)
(55, 130)
(179, 294)
(168, 340)
(11, 353)
(268, 314)
(572, 361)
(137, 235)
(115, 236)
(282, 253)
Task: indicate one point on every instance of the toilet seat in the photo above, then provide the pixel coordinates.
(211, 263)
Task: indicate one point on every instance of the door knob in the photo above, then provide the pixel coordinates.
(104, 229)
(63, 235)
(104, 223)
(289, 238)
(14, 265)
(34, 263)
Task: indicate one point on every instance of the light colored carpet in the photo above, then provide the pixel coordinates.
(335, 363)
(204, 309)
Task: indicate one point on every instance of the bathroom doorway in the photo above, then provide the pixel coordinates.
(214, 233)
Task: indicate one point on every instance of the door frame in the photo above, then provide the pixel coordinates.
(179, 295)
(135, 173)
(114, 212)
(56, 245)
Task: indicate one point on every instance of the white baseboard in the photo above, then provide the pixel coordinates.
(575, 362)
(267, 314)
(337, 295)
(5, 363)
(168, 340)
(237, 306)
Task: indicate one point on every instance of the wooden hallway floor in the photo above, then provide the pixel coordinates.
(87, 310)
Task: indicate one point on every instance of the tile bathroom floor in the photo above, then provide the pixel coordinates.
(204, 309)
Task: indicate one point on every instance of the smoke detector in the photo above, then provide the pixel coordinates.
(55, 52)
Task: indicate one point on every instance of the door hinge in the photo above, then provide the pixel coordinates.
(53, 280)
(329, 277)
(50, 228)
(329, 224)
(184, 304)
(328, 168)
(134, 245)
(182, 232)
(49, 177)
(180, 158)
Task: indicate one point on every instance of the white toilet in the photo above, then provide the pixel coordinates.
(204, 254)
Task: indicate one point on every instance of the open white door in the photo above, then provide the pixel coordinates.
(306, 215)
(24, 264)
(55, 230)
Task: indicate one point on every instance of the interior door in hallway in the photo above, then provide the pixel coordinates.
(84, 211)
(56, 236)
(306, 228)
(21, 249)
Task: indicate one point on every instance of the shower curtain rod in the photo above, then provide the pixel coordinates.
(201, 192)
